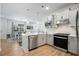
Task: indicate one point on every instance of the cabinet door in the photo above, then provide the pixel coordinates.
(50, 39)
(72, 45)
(39, 40)
(25, 42)
(64, 14)
(61, 16)
(72, 17)
(43, 39)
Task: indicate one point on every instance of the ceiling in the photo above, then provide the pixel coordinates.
(29, 11)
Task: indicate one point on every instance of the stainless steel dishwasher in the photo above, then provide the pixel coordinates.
(32, 41)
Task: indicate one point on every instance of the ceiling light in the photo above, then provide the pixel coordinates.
(47, 8)
(42, 6)
(28, 9)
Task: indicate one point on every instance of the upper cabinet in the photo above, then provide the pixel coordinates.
(61, 17)
(66, 17)
(64, 14)
(72, 17)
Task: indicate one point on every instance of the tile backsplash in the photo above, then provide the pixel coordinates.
(63, 29)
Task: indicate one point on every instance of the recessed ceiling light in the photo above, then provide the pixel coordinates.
(42, 6)
(28, 9)
(47, 8)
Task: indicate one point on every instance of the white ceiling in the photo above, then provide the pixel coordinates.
(36, 12)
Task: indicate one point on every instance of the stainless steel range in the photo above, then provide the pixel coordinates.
(61, 40)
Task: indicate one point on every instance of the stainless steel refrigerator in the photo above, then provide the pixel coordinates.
(77, 30)
(74, 17)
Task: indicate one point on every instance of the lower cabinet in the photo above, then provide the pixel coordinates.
(72, 44)
(25, 42)
(45, 39)
(49, 39)
(41, 40)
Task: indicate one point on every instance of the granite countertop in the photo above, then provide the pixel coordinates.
(27, 34)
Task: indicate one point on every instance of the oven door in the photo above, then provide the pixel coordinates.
(61, 42)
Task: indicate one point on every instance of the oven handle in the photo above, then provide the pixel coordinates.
(60, 37)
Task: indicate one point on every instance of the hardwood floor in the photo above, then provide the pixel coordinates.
(47, 51)
(10, 48)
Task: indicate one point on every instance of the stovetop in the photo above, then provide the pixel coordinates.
(61, 34)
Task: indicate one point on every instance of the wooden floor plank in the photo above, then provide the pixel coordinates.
(10, 48)
(47, 51)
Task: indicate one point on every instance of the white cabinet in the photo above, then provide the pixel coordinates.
(41, 40)
(57, 17)
(44, 39)
(25, 42)
(61, 16)
(65, 14)
(72, 44)
(50, 39)
(72, 17)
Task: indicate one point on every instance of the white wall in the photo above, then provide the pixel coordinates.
(0, 21)
(6, 26)
(3, 28)
(0, 27)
